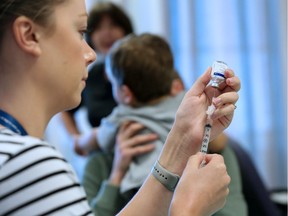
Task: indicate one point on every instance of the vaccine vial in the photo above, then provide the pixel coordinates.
(217, 73)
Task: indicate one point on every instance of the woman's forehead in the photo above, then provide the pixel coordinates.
(76, 8)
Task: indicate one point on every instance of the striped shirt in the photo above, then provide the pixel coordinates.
(35, 179)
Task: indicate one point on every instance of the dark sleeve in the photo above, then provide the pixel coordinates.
(235, 202)
(97, 96)
(103, 198)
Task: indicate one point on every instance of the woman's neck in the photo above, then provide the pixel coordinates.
(22, 102)
(31, 123)
(19, 94)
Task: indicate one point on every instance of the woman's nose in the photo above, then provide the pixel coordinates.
(90, 56)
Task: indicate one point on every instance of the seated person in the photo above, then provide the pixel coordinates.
(107, 23)
(235, 202)
(141, 81)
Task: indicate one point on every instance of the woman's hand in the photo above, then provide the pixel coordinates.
(128, 145)
(191, 114)
(225, 100)
(201, 191)
(187, 132)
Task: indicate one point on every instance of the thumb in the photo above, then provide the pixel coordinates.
(195, 161)
(201, 83)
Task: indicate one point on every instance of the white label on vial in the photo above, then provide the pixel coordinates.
(218, 69)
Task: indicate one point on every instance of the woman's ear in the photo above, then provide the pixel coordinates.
(26, 35)
(127, 95)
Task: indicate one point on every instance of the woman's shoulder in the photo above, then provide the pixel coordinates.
(13, 145)
(39, 173)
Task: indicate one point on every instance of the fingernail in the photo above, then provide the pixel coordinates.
(229, 81)
(216, 101)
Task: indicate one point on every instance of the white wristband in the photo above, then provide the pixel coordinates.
(168, 179)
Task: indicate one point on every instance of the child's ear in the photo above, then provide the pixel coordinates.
(128, 96)
(26, 35)
(176, 87)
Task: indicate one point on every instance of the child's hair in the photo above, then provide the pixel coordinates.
(115, 13)
(160, 46)
(40, 11)
(144, 63)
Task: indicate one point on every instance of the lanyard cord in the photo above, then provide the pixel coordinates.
(10, 122)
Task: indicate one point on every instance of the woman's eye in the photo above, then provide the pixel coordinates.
(83, 33)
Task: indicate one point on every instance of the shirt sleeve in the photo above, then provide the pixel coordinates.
(42, 182)
(107, 201)
(104, 199)
(235, 202)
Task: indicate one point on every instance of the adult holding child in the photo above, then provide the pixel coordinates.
(148, 102)
(34, 173)
(107, 23)
(151, 103)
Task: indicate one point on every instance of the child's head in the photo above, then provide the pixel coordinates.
(140, 69)
(162, 47)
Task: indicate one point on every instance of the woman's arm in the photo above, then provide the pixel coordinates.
(183, 141)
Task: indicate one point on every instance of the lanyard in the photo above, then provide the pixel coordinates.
(8, 121)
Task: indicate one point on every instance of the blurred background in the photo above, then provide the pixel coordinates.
(251, 37)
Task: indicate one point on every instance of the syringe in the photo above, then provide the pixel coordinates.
(217, 77)
(207, 131)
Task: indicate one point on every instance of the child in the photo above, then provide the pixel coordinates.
(141, 71)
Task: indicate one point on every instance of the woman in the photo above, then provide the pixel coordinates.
(43, 74)
(106, 23)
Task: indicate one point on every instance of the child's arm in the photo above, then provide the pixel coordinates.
(69, 123)
(85, 143)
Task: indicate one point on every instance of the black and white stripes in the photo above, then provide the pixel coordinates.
(36, 180)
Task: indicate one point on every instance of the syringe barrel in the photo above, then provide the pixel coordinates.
(206, 138)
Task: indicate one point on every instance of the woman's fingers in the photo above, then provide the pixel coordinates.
(232, 81)
(226, 98)
(195, 160)
(201, 83)
(226, 110)
(215, 157)
(225, 104)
